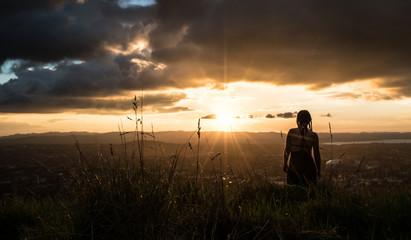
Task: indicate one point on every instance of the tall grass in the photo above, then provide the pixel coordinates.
(331, 140)
(119, 205)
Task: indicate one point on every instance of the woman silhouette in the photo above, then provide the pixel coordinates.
(299, 164)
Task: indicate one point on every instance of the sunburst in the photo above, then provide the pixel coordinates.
(225, 119)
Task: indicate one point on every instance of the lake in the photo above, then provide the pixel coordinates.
(388, 141)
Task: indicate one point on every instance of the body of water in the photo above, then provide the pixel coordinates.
(388, 141)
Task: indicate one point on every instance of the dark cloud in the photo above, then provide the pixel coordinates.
(373, 95)
(286, 115)
(287, 42)
(210, 116)
(47, 38)
(326, 115)
(68, 85)
(9, 7)
(269, 116)
(41, 104)
(316, 43)
(173, 109)
(75, 30)
(163, 99)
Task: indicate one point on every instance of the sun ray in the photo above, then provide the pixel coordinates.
(256, 143)
(211, 148)
(243, 160)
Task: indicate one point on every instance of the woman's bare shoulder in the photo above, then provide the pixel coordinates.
(313, 135)
(293, 130)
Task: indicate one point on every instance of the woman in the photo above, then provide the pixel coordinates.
(299, 164)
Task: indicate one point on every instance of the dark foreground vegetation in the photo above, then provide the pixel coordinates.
(114, 199)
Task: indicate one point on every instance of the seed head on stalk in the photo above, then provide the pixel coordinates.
(331, 139)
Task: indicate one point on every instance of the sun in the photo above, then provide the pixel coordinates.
(225, 119)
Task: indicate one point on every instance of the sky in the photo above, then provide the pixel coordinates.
(250, 65)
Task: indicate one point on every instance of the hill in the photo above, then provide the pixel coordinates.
(184, 136)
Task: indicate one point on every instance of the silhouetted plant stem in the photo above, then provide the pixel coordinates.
(122, 134)
(142, 135)
(331, 139)
(198, 150)
(138, 133)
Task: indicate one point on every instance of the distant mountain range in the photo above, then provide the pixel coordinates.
(184, 136)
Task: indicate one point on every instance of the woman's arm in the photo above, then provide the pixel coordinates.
(287, 152)
(317, 155)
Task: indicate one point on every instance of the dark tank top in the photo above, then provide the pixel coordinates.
(301, 168)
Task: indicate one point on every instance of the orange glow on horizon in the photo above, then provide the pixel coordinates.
(238, 107)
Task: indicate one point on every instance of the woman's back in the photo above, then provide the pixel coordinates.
(297, 140)
(299, 164)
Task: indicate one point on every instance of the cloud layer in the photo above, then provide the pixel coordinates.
(317, 43)
(185, 43)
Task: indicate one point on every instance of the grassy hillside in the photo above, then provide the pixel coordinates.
(110, 196)
(198, 185)
(118, 203)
